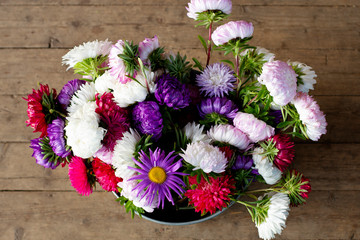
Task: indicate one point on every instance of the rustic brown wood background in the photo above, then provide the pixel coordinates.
(38, 203)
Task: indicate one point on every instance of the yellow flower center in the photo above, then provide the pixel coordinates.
(157, 175)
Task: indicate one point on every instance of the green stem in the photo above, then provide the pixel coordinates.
(209, 45)
(246, 204)
(55, 111)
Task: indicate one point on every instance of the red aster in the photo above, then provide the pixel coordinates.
(114, 119)
(228, 152)
(41, 108)
(212, 195)
(105, 175)
(296, 186)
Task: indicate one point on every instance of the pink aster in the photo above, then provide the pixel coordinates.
(254, 128)
(198, 6)
(280, 80)
(36, 111)
(105, 175)
(80, 176)
(232, 30)
(212, 195)
(116, 64)
(115, 120)
(310, 115)
(147, 46)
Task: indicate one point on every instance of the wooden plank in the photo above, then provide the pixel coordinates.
(342, 114)
(336, 76)
(54, 215)
(291, 27)
(329, 166)
(176, 3)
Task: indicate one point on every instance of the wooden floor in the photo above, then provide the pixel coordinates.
(37, 203)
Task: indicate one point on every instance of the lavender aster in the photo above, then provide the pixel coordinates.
(216, 80)
(157, 174)
(147, 118)
(218, 109)
(171, 92)
(232, 30)
(41, 147)
(56, 138)
(68, 91)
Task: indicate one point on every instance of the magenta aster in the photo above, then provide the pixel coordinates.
(81, 176)
(158, 176)
(231, 31)
(212, 195)
(105, 175)
(216, 80)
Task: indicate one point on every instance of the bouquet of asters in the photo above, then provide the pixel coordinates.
(163, 133)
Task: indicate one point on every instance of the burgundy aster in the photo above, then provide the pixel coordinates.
(147, 118)
(286, 151)
(68, 91)
(218, 105)
(171, 92)
(38, 145)
(56, 137)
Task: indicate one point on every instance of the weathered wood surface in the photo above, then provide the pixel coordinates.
(37, 203)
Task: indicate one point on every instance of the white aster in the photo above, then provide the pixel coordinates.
(195, 132)
(83, 132)
(205, 156)
(199, 6)
(229, 134)
(134, 91)
(267, 57)
(86, 50)
(276, 216)
(307, 76)
(124, 153)
(105, 83)
(85, 94)
(127, 191)
(266, 169)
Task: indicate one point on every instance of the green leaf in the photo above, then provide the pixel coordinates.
(228, 62)
(285, 124)
(203, 42)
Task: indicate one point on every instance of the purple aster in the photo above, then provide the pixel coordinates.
(216, 80)
(244, 162)
(217, 107)
(278, 118)
(157, 174)
(232, 30)
(68, 91)
(56, 138)
(147, 118)
(171, 92)
(41, 148)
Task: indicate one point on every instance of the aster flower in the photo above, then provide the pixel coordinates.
(84, 95)
(43, 153)
(116, 122)
(171, 92)
(105, 83)
(266, 169)
(231, 31)
(280, 80)
(306, 76)
(86, 50)
(56, 138)
(243, 162)
(105, 175)
(279, 149)
(83, 132)
(277, 115)
(310, 115)
(198, 6)
(296, 186)
(277, 210)
(254, 128)
(205, 157)
(147, 46)
(81, 175)
(217, 110)
(216, 80)
(230, 135)
(267, 56)
(68, 91)
(195, 133)
(137, 199)
(124, 152)
(147, 118)
(158, 175)
(41, 109)
(212, 195)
